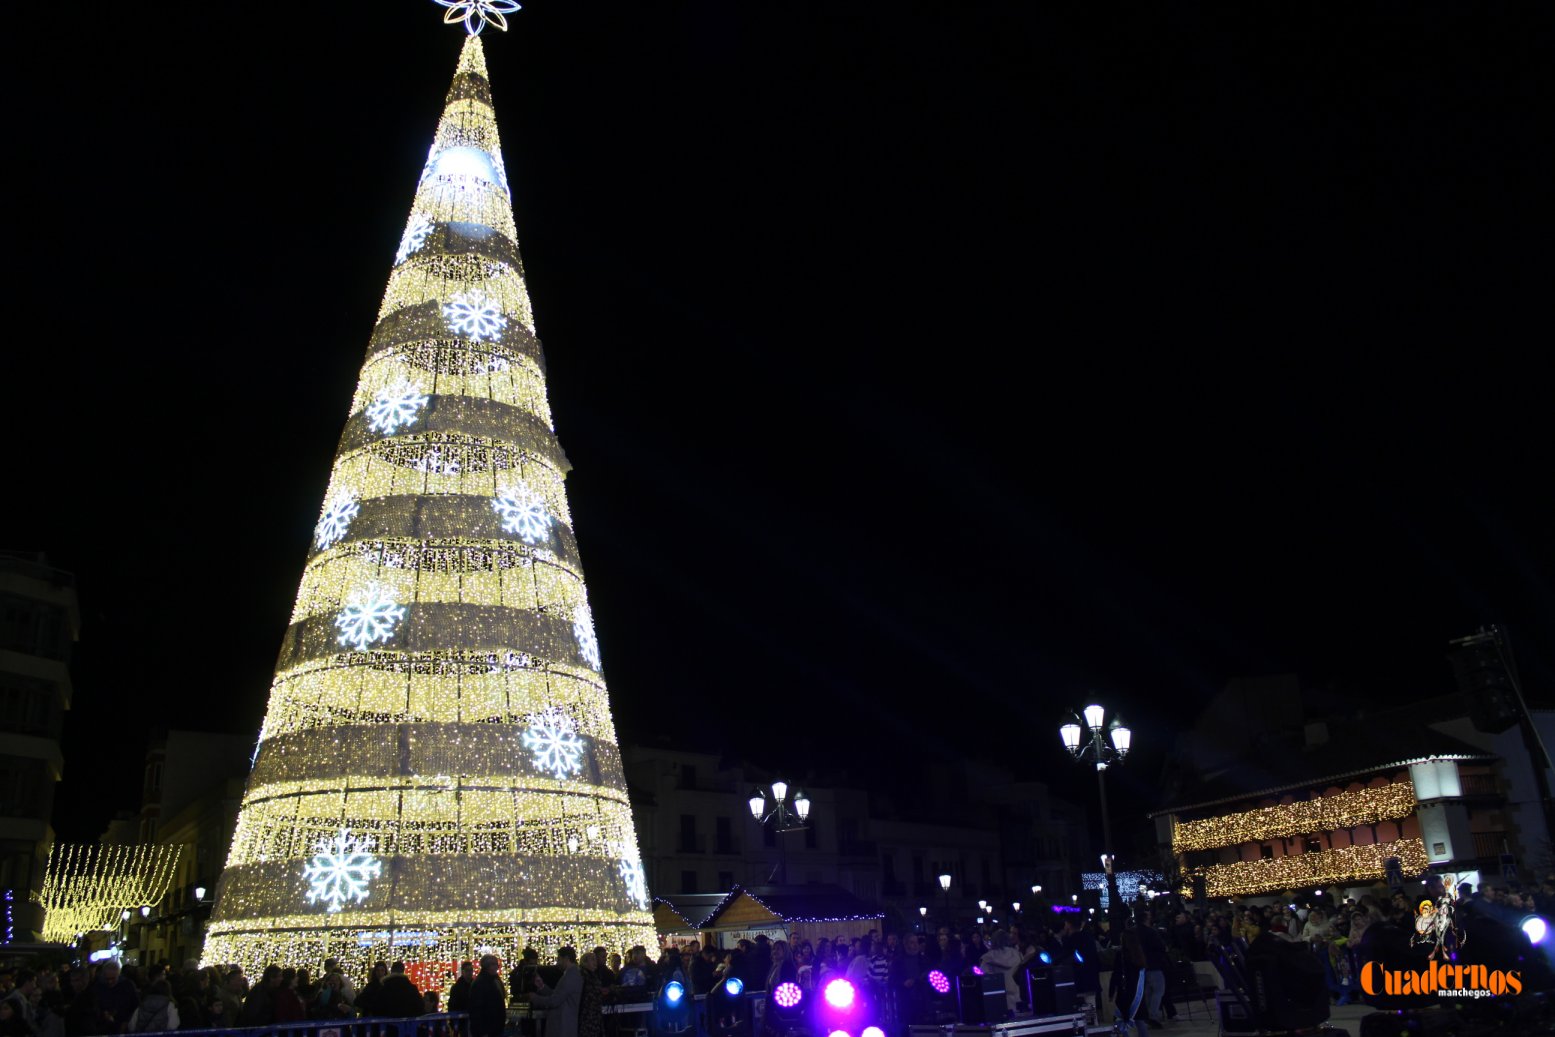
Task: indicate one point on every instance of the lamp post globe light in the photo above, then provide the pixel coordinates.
(1093, 747)
(787, 814)
(944, 885)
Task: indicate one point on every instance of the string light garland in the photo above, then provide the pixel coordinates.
(1364, 806)
(87, 888)
(438, 774)
(1316, 868)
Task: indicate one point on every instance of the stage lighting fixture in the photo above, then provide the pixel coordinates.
(839, 1033)
(977, 970)
(872, 1031)
(1535, 928)
(673, 992)
(734, 986)
(1045, 957)
(1079, 957)
(787, 994)
(939, 981)
(840, 994)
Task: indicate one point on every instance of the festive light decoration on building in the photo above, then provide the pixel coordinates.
(1360, 863)
(553, 739)
(429, 632)
(370, 615)
(523, 512)
(397, 405)
(339, 510)
(1364, 806)
(477, 14)
(87, 888)
(342, 870)
(1129, 884)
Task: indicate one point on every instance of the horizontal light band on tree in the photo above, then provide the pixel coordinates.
(1316, 868)
(1285, 820)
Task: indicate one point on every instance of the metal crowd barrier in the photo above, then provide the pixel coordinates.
(441, 1024)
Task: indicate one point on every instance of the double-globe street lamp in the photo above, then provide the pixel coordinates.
(1098, 750)
(788, 813)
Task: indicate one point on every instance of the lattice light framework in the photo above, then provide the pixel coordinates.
(1316, 868)
(438, 772)
(87, 888)
(1327, 814)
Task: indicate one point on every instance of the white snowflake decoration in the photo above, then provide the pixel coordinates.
(339, 510)
(343, 864)
(370, 616)
(415, 236)
(636, 882)
(396, 405)
(523, 512)
(553, 739)
(475, 315)
(477, 14)
(583, 632)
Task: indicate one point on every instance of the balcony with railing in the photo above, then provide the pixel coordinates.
(1489, 844)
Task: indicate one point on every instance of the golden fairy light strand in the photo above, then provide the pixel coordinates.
(87, 888)
(1326, 814)
(1366, 862)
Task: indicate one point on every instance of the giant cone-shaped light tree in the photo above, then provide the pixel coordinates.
(438, 774)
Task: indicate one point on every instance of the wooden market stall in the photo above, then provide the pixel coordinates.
(791, 913)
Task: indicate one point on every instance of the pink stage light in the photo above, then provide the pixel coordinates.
(840, 994)
(787, 995)
(939, 981)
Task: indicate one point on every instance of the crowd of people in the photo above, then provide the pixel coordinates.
(1139, 948)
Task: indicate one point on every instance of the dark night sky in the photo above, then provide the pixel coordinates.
(923, 367)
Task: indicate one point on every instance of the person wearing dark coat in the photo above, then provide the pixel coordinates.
(1128, 983)
(83, 1015)
(400, 999)
(459, 995)
(259, 1006)
(488, 1004)
(117, 999)
(564, 999)
(1079, 945)
(591, 1000)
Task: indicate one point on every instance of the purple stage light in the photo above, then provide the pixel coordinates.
(839, 1033)
(840, 994)
(872, 1031)
(787, 995)
(939, 981)
(977, 970)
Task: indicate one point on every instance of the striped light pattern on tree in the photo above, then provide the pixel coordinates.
(438, 773)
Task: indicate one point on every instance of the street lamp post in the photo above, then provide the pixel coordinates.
(789, 812)
(1098, 750)
(944, 885)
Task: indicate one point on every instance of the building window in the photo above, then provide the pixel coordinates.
(1266, 851)
(688, 776)
(724, 834)
(809, 837)
(1314, 845)
(768, 836)
(688, 882)
(688, 833)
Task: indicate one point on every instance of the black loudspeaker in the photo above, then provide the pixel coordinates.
(1286, 985)
(1050, 990)
(1483, 680)
(982, 999)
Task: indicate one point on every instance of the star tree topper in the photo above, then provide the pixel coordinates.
(477, 14)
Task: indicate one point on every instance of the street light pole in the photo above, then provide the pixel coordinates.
(1097, 749)
(790, 813)
(944, 885)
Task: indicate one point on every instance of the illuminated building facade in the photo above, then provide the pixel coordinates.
(39, 619)
(1327, 805)
(438, 772)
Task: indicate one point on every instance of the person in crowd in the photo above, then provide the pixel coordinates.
(804, 966)
(607, 979)
(783, 969)
(400, 998)
(564, 999)
(289, 1005)
(823, 954)
(11, 1022)
(905, 980)
(522, 976)
(1079, 946)
(21, 997)
(880, 966)
(1156, 964)
(347, 988)
(1003, 960)
(117, 998)
(1128, 984)
(951, 961)
(704, 970)
(370, 1001)
(191, 992)
(429, 1003)
(156, 1012)
(259, 1006)
(459, 995)
(330, 1001)
(488, 1005)
(591, 1018)
(83, 1014)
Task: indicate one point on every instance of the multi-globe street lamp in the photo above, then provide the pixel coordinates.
(789, 814)
(1097, 749)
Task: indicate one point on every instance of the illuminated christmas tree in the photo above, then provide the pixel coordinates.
(438, 773)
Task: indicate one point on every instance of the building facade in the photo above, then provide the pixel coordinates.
(39, 621)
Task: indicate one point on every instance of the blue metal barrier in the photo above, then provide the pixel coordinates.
(441, 1024)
